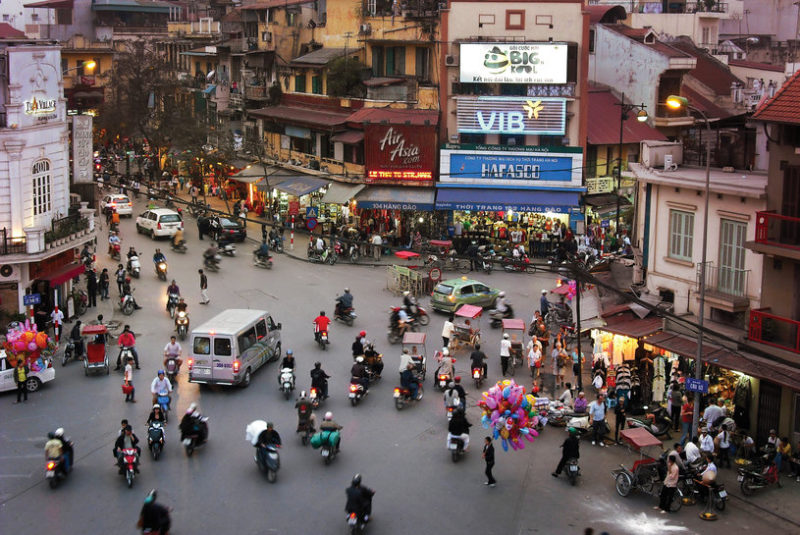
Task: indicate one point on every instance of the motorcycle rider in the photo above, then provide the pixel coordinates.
(131, 253)
(409, 304)
(445, 363)
(344, 302)
(319, 380)
(192, 424)
(462, 394)
(178, 240)
(359, 373)
(570, 449)
(402, 322)
(287, 362)
(128, 291)
(373, 358)
(86, 255)
(262, 253)
(76, 339)
(321, 324)
(156, 415)
(66, 448)
(127, 440)
(305, 413)
(500, 304)
(328, 424)
(172, 289)
(478, 359)
(127, 339)
(210, 256)
(451, 398)
(159, 257)
(173, 350)
(359, 499)
(153, 516)
(459, 428)
(113, 240)
(358, 347)
(409, 380)
(54, 450)
(266, 438)
(160, 384)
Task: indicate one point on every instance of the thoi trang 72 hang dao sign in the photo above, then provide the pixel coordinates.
(512, 115)
(513, 63)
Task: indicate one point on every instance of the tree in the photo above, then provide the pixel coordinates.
(344, 78)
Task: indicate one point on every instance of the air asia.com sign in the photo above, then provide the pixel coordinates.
(399, 153)
(513, 63)
(512, 115)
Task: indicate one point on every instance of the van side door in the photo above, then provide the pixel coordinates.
(274, 338)
(250, 350)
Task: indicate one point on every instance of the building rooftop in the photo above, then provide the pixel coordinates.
(784, 107)
(604, 118)
(7, 31)
(709, 71)
(700, 102)
(739, 183)
(755, 65)
(647, 37)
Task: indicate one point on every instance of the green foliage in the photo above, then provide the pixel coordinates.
(344, 78)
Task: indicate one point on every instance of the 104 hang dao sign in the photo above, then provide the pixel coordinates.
(513, 63)
(399, 153)
(512, 115)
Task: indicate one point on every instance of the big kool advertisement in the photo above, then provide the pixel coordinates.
(513, 63)
(399, 153)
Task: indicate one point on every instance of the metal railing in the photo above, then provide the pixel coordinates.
(12, 244)
(775, 229)
(725, 281)
(774, 330)
(64, 227)
(671, 6)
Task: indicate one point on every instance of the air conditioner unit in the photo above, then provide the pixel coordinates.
(266, 37)
(9, 273)
(451, 60)
(365, 29)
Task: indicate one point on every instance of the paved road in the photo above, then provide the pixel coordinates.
(400, 454)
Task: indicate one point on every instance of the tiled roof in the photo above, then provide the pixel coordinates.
(394, 116)
(257, 6)
(638, 35)
(700, 102)
(784, 107)
(605, 13)
(755, 65)
(709, 71)
(7, 31)
(604, 118)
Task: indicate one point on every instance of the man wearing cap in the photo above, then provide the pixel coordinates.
(706, 442)
(544, 304)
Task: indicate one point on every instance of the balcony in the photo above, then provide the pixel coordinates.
(671, 6)
(726, 287)
(775, 331)
(776, 235)
(11, 244)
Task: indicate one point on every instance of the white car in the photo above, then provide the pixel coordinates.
(35, 379)
(118, 201)
(159, 222)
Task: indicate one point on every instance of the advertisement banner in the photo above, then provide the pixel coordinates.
(82, 150)
(512, 115)
(399, 153)
(513, 63)
(511, 166)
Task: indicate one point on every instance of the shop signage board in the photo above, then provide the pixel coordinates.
(548, 90)
(500, 165)
(513, 63)
(31, 299)
(696, 385)
(82, 164)
(294, 207)
(399, 153)
(38, 71)
(603, 184)
(512, 115)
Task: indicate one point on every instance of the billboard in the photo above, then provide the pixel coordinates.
(399, 153)
(82, 171)
(513, 63)
(499, 165)
(512, 115)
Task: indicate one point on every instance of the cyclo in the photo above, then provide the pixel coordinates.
(96, 356)
(645, 474)
(516, 329)
(467, 323)
(415, 343)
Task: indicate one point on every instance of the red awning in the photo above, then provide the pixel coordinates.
(604, 116)
(349, 137)
(51, 4)
(65, 273)
(405, 255)
(394, 116)
(628, 324)
(305, 116)
(639, 438)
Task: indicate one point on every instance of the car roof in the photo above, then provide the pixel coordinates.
(163, 211)
(117, 196)
(461, 282)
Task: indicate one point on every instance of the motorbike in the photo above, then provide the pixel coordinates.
(193, 441)
(321, 338)
(155, 438)
(402, 396)
(497, 317)
(115, 251)
(346, 316)
(485, 263)
(417, 314)
(134, 267)
(161, 270)
(171, 369)
(172, 303)
(164, 400)
(55, 471)
(81, 299)
(287, 382)
(180, 248)
(125, 354)
(316, 398)
(573, 471)
(442, 379)
(130, 459)
(760, 473)
(228, 249)
(518, 265)
(70, 352)
(182, 325)
(268, 461)
(347, 250)
(477, 376)
(357, 392)
(276, 243)
(456, 447)
(326, 256)
(262, 261)
(656, 422)
(306, 431)
(582, 426)
(212, 263)
(355, 524)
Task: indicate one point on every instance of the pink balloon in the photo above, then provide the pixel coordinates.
(32, 346)
(19, 345)
(491, 403)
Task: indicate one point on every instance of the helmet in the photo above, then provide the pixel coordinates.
(544, 291)
(356, 480)
(270, 425)
(572, 431)
(160, 372)
(445, 352)
(151, 496)
(502, 294)
(127, 279)
(347, 290)
(59, 432)
(451, 384)
(457, 379)
(156, 406)
(329, 415)
(196, 414)
(360, 359)
(505, 336)
(405, 293)
(303, 394)
(289, 352)
(317, 365)
(51, 435)
(362, 334)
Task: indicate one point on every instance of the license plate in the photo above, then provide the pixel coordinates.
(352, 395)
(325, 453)
(453, 446)
(573, 468)
(441, 384)
(723, 494)
(740, 478)
(397, 394)
(51, 473)
(201, 371)
(187, 441)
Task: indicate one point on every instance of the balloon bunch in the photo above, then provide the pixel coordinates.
(572, 290)
(25, 342)
(510, 413)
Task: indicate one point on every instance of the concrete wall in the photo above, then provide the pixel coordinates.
(677, 24)
(679, 276)
(775, 18)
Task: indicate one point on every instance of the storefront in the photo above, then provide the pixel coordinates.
(286, 189)
(511, 194)
(52, 280)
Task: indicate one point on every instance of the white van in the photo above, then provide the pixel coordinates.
(229, 347)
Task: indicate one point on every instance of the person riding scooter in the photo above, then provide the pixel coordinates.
(262, 253)
(210, 256)
(76, 339)
(359, 499)
(359, 374)
(154, 517)
(305, 413)
(319, 379)
(344, 302)
(373, 359)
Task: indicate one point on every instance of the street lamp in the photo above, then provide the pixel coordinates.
(676, 103)
(91, 64)
(641, 116)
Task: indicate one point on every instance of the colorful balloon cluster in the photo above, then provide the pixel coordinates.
(25, 342)
(510, 413)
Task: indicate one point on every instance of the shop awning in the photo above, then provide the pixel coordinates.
(300, 185)
(305, 116)
(321, 57)
(253, 173)
(742, 362)
(349, 137)
(64, 273)
(628, 324)
(394, 116)
(399, 198)
(500, 200)
(51, 4)
(340, 193)
(132, 6)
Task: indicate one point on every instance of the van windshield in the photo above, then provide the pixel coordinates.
(201, 345)
(222, 347)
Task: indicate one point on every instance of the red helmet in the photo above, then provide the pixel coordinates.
(362, 333)
(457, 378)
(127, 279)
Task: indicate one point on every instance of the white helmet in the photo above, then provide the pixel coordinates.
(445, 352)
(303, 394)
(360, 359)
(405, 293)
(502, 294)
(59, 432)
(505, 336)
(544, 292)
(329, 415)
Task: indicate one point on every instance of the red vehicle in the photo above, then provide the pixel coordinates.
(130, 459)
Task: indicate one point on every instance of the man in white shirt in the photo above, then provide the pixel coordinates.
(566, 396)
(377, 242)
(160, 384)
(405, 361)
(710, 473)
(713, 412)
(534, 357)
(505, 353)
(706, 442)
(447, 331)
(692, 451)
(58, 322)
